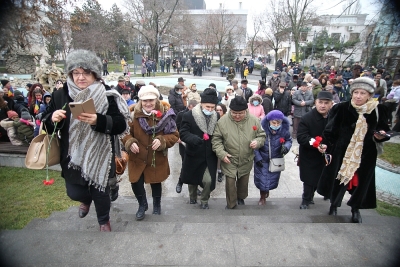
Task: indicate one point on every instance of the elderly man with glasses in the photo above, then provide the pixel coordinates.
(234, 140)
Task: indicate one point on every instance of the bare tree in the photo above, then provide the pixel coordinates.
(152, 20)
(223, 24)
(258, 23)
(351, 7)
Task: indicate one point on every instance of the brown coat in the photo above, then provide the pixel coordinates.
(141, 162)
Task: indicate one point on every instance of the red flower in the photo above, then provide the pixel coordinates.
(318, 139)
(49, 182)
(255, 128)
(159, 114)
(205, 136)
(315, 144)
(282, 140)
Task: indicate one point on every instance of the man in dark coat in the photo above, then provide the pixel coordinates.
(311, 162)
(191, 104)
(283, 99)
(175, 98)
(200, 162)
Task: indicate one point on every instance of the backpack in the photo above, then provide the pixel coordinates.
(24, 132)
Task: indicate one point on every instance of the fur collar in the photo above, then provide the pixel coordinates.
(200, 120)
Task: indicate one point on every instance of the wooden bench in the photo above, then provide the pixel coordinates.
(8, 148)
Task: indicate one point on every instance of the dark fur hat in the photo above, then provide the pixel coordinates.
(84, 59)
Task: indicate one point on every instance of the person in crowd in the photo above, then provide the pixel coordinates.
(221, 110)
(261, 88)
(381, 83)
(230, 75)
(229, 95)
(276, 127)
(236, 151)
(20, 104)
(162, 65)
(189, 66)
(236, 89)
(311, 162)
(182, 145)
(176, 99)
(273, 83)
(323, 80)
(251, 65)
(126, 69)
(42, 110)
(283, 99)
(246, 72)
(36, 101)
(152, 131)
(354, 128)
(246, 92)
(143, 69)
(393, 100)
(200, 162)
(264, 73)
(302, 100)
(59, 84)
(7, 125)
(255, 106)
(168, 64)
(347, 74)
(316, 87)
(293, 82)
(308, 78)
(126, 95)
(8, 91)
(191, 93)
(128, 84)
(267, 101)
(379, 92)
(105, 67)
(335, 97)
(3, 115)
(87, 149)
(121, 84)
(237, 65)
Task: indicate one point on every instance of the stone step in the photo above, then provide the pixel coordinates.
(278, 245)
(196, 223)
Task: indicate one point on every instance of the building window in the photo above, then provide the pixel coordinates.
(335, 36)
(354, 36)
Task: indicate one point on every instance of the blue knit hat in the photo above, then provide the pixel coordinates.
(275, 115)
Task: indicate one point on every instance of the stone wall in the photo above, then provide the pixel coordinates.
(20, 64)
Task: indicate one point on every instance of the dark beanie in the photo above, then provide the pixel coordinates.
(18, 94)
(4, 82)
(238, 104)
(209, 95)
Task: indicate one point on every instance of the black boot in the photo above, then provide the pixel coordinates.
(143, 206)
(114, 193)
(220, 177)
(157, 205)
(356, 216)
(333, 210)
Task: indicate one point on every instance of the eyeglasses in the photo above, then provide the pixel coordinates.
(84, 74)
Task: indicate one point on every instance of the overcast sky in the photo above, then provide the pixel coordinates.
(332, 7)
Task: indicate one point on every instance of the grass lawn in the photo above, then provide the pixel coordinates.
(387, 209)
(391, 153)
(24, 197)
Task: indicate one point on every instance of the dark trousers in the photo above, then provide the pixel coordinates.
(86, 193)
(296, 122)
(182, 153)
(264, 79)
(138, 188)
(168, 68)
(308, 193)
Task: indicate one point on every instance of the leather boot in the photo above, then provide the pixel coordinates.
(105, 227)
(114, 193)
(83, 210)
(355, 215)
(143, 206)
(157, 205)
(263, 195)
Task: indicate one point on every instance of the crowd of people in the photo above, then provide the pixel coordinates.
(338, 120)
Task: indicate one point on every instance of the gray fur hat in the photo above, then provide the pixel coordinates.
(363, 83)
(84, 59)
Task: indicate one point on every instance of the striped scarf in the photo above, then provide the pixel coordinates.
(90, 151)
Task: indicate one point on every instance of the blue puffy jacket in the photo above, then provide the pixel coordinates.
(263, 179)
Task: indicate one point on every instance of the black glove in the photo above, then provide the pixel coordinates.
(199, 141)
(284, 150)
(259, 163)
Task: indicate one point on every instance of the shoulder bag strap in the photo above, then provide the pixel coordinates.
(269, 146)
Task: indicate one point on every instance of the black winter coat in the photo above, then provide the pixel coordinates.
(118, 126)
(311, 161)
(338, 132)
(267, 104)
(198, 153)
(283, 101)
(176, 101)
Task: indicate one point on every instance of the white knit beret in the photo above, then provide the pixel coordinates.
(148, 92)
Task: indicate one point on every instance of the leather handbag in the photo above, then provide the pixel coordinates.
(36, 156)
(275, 164)
(121, 162)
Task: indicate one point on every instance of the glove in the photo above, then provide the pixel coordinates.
(199, 142)
(284, 150)
(259, 163)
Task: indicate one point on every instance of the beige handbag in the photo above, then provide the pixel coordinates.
(36, 156)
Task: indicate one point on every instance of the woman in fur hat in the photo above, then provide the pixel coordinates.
(152, 131)
(353, 130)
(87, 142)
(276, 127)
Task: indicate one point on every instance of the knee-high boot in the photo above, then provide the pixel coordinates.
(143, 206)
(157, 205)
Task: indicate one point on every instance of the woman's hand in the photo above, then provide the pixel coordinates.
(134, 148)
(380, 135)
(253, 144)
(88, 118)
(322, 148)
(156, 144)
(58, 115)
